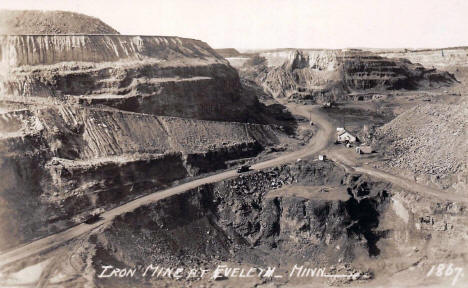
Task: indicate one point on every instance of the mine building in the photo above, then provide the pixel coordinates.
(346, 137)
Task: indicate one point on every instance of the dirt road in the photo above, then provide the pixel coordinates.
(394, 179)
(320, 141)
(325, 136)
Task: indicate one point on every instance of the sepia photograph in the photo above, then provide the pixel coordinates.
(241, 143)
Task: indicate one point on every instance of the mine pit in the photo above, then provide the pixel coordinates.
(158, 161)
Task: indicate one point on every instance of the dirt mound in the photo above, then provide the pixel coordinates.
(428, 140)
(50, 22)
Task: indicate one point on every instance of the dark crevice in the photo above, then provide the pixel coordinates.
(365, 219)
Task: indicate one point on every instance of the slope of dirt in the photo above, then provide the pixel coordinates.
(16, 22)
(430, 141)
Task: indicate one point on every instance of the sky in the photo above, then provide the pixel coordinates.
(267, 24)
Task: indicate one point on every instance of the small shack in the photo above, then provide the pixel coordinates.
(322, 157)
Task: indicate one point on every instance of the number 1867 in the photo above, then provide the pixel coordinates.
(446, 270)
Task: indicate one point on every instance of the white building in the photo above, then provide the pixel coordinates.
(344, 136)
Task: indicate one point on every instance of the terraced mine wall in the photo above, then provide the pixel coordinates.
(58, 162)
(322, 59)
(144, 74)
(329, 75)
(87, 121)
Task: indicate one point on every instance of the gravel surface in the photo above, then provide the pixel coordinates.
(427, 139)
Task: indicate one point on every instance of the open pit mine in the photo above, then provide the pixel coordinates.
(324, 76)
(152, 161)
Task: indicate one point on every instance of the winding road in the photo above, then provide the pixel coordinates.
(321, 140)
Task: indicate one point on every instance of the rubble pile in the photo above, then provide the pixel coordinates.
(427, 139)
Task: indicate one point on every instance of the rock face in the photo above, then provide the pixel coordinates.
(329, 75)
(51, 22)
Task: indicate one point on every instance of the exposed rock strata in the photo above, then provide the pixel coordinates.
(156, 75)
